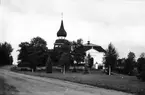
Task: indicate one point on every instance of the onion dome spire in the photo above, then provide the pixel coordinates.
(61, 32)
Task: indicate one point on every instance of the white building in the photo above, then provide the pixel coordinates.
(96, 52)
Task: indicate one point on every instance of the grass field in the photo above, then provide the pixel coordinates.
(96, 78)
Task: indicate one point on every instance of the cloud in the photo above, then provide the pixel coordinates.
(102, 21)
(121, 13)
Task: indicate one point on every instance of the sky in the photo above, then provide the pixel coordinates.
(121, 22)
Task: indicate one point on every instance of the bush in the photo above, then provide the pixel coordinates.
(24, 64)
(100, 67)
(142, 74)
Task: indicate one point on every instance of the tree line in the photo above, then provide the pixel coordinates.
(128, 66)
(35, 54)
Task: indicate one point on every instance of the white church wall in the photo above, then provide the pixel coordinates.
(97, 56)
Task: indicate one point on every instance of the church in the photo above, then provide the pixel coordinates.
(95, 51)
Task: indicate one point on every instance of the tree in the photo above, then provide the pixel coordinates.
(110, 58)
(35, 52)
(130, 62)
(24, 57)
(90, 60)
(65, 61)
(141, 62)
(142, 55)
(40, 46)
(120, 65)
(131, 55)
(5, 53)
(49, 65)
(80, 41)
(7, 47)
(141, 67)
(23, 51)
(78, 52)
(38, 42)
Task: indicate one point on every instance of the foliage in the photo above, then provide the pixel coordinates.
(130, 62)
(66, 47)
(5, 53)
(78, 52)
(40, 48)
(48, 65)
(142, 76)
(142, 55)
(65, 60)
(131, 56)
(120, 65)
(23, 51)
(141, 66)
(91, 60)
(141, 62)
(38, 42)
(35, 52)
(80, 41)
(110, 57)
(55, 56)
(100, 66)
(58, 51)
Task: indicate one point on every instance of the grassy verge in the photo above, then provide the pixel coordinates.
(6, 89)
(123, 83)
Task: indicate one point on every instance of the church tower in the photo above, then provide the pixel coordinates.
(61, 34)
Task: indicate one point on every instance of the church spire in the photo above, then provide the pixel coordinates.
(61, 32)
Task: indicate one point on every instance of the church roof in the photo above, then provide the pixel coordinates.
(61, 32)
(89, 46)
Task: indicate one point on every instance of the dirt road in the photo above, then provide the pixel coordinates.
(32, 85)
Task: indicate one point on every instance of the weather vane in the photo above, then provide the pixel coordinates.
(88, 38)
(62, 15)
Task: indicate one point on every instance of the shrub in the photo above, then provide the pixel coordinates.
(142, 74)
(24, 64)
(100, 67)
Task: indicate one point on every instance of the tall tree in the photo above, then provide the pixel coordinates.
(40, 46)
(110, 57)
(130, 62)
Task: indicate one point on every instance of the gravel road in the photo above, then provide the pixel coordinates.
(32, 85)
